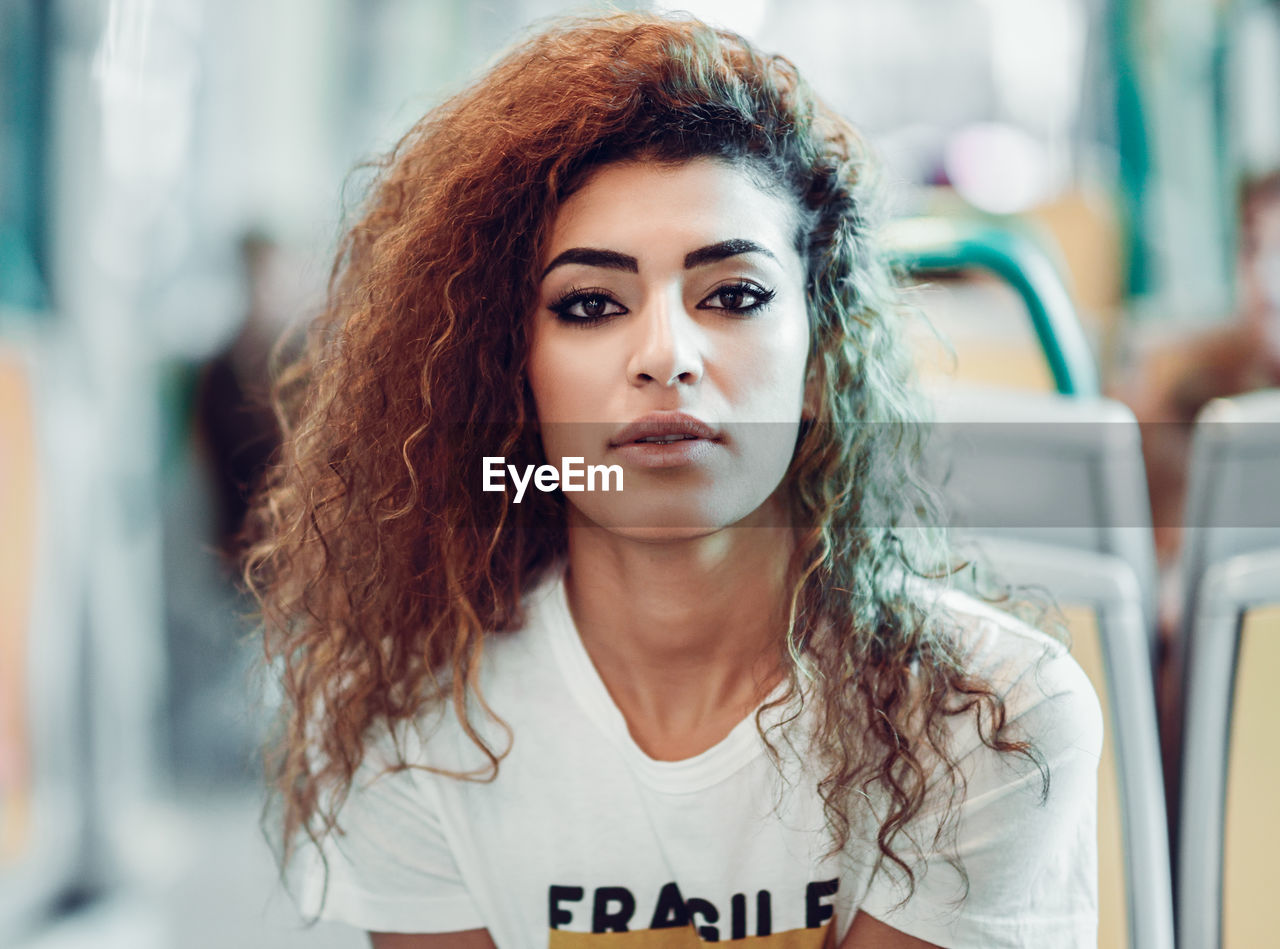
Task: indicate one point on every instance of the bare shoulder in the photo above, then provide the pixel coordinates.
(867, 932)
(471, 939)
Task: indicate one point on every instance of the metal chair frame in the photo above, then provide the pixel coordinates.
(1227, 591)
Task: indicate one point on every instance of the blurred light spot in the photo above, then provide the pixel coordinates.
(998, 168)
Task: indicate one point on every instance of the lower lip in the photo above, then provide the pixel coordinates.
(688, 451)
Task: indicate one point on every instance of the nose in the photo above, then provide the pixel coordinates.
(668, 348)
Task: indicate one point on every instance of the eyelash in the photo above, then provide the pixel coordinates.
(576, 295)
(762, 297)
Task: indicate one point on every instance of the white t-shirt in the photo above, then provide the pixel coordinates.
(582, 833)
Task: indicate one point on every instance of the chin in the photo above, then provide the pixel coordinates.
(669, 517)
(663, 535)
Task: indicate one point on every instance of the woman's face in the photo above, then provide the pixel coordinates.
(671, 339)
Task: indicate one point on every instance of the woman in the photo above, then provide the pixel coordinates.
(710, 697)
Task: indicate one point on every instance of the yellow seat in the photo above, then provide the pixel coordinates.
(1113, 910)
(1251, 836)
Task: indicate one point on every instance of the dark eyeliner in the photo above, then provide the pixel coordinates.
(575, 295)
(761, 295)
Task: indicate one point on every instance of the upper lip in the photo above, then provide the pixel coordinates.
(663, 423)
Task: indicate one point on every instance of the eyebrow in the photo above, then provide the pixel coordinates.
(730, 248)
(612, 260)
(591, 257)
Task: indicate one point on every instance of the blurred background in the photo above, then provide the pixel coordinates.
(172, 180)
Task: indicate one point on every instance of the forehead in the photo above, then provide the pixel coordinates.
(639, 206)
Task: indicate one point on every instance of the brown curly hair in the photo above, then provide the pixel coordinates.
(380, 566)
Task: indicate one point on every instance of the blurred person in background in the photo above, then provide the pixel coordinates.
(212, 734)
(1174, 381)
(236, 425)
(726, 701)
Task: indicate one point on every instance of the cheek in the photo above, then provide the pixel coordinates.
(771, 369)
(568, 376)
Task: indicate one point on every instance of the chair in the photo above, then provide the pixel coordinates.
(1064, 469)
(1233, 505)
(1050, 469)
(1227, 819)
(1111, 645)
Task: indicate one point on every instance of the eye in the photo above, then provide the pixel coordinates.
(586, 306)
(740, 297)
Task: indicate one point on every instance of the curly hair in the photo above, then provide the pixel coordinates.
(380, 567)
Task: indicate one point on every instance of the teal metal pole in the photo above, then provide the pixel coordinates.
(933, 245)
(1133, 146)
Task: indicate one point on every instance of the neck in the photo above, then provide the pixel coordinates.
(685, 633)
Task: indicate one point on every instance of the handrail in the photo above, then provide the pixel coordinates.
(929, 245)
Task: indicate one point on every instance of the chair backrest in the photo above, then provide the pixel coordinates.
(1228, 828)
(1050, 469)
(1233, 498)
(931, 245)
(1117, 642)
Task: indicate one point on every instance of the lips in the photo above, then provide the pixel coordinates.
(667, 440)
(664, 428)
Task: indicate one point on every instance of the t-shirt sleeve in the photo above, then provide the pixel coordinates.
(1030, 858)
(391, 869)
